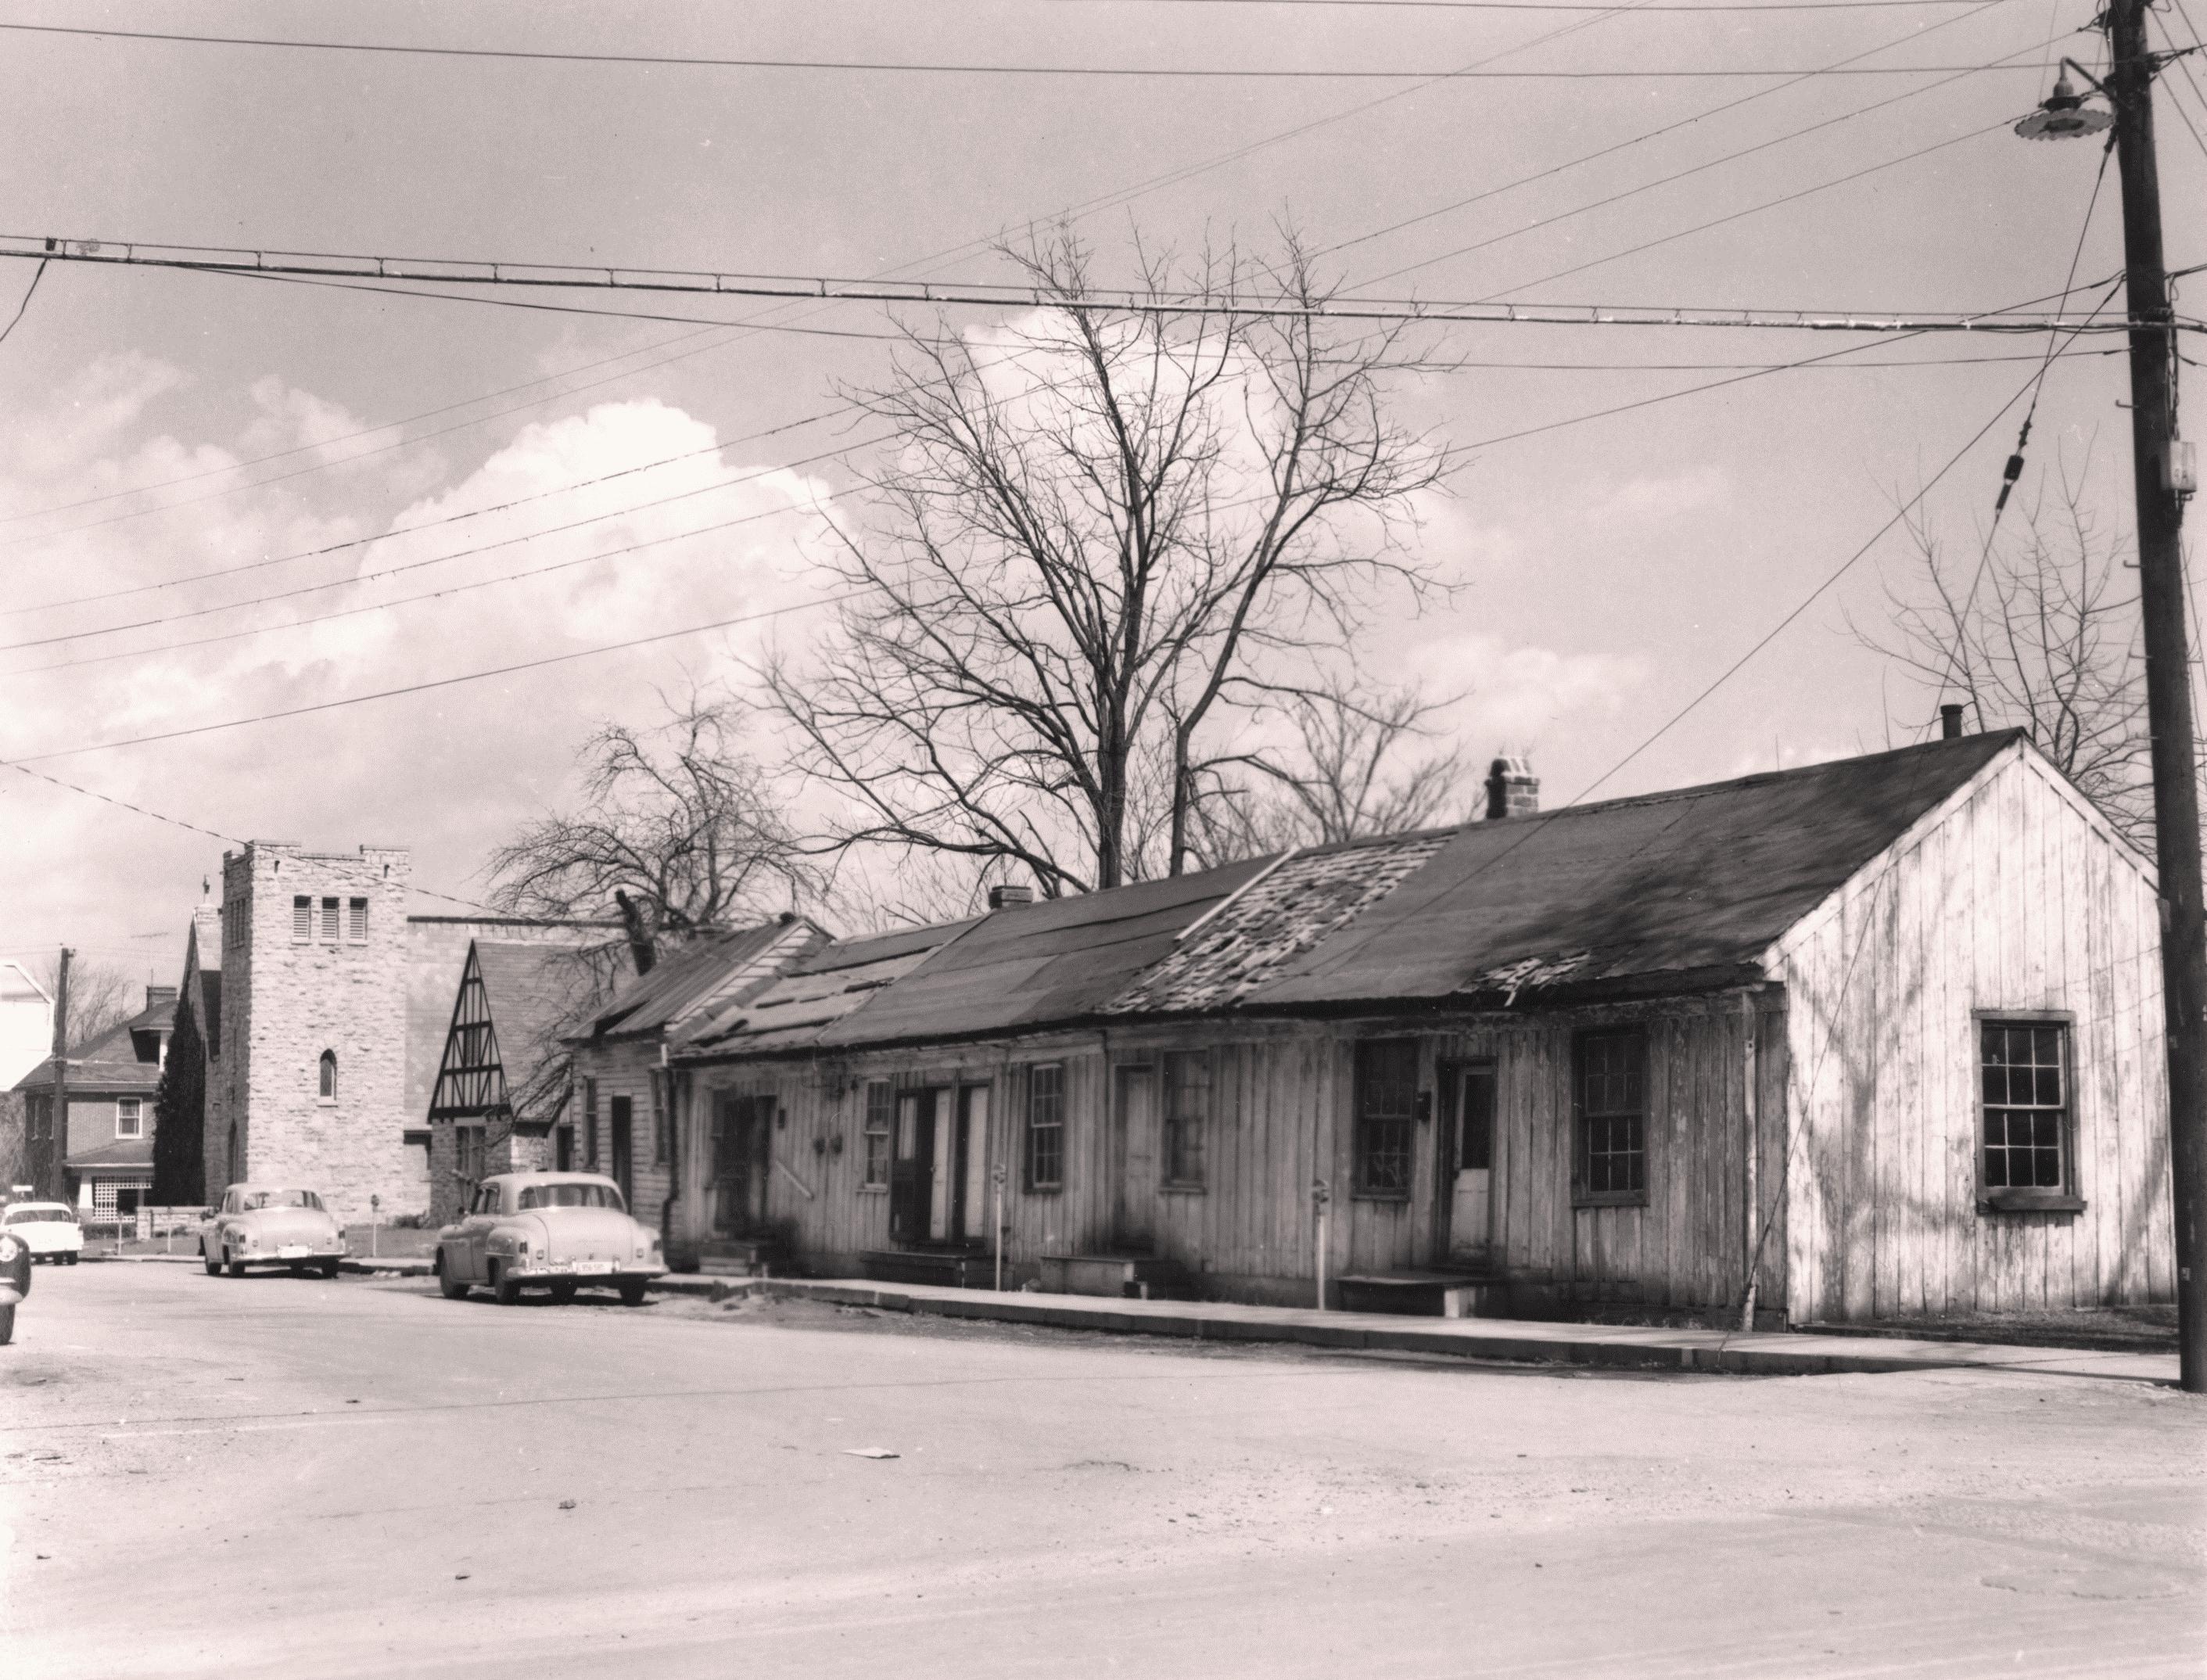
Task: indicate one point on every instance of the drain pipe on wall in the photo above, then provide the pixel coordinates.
(1319, 1196)
(1751, 1107)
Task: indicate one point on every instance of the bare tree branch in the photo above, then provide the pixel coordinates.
(1094, 522)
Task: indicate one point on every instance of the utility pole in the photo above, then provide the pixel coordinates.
(2163, 474)
(47, 1172)
(2157, 475)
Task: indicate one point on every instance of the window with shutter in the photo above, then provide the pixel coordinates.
(302, 920)
(329, 921)
(356, 921)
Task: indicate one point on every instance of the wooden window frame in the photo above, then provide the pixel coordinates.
(1178, 1125)
(876, 1136)
(1363, 1154)
(2026, 1199)
(1035, 1131)
(1582, 1123)
(134, 1107)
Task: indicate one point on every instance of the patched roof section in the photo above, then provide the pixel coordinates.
(1248, 939)
(815, 993)
(704, 975)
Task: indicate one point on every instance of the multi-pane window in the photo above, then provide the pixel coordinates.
(1612, 1116)
(1188, 1114)
(356, 921)
(1386, 1114)
(881, 1115)
(2025, 1067)
(467, 1154)
(1045, 1133)
(302, 920)
(129, 1117)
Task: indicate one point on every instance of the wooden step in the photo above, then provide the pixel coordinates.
(1139, 1276)
(1427, 1294)
(954, 1268)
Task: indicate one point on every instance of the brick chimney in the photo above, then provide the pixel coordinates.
(1512, 790)
(1005, 895)
(156, 997)
(1950, 721)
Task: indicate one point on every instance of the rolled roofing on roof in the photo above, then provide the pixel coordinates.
(1659, 892)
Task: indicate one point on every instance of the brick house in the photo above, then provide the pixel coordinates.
(106, 1150)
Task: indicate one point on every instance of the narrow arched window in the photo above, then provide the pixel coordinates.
(329, 1076)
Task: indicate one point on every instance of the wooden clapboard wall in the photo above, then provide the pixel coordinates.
(2014, 895)
(1281, 1117)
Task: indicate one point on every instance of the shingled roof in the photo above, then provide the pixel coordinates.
(1659, 892)
(122, 1060)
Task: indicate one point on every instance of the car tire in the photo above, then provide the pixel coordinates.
(213, 1266)
(504, 1288)
(631, 1291)
(7, 1325)
(71, 1259)
(563, 1292)
(235, 1268)
(451, 1288)
(330, 1268)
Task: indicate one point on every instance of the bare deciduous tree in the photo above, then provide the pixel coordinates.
(1349, 775)
(678, 830)
(1096, 524)
(2038, 632)
(100, 996)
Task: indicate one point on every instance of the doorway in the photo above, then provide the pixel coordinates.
(1464, 1221)
(624, 1147)
(742, 1129)
(1134, 1160)
(939, 1175)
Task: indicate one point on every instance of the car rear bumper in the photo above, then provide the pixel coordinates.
(582, 1272)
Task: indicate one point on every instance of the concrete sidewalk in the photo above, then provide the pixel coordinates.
(1761, 1354)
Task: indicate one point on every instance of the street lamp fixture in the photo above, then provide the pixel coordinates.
(2063, 114)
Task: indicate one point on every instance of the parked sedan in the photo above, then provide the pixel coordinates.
(555, 1231)
(49, 1230)
(271, 1225)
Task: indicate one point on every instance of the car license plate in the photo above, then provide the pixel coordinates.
(594, 1268)
(293, 1251)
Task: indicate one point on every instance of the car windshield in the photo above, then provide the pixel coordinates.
(31, 1215)
(571, 1195)
(259, 1198)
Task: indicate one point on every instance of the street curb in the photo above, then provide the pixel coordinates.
(1546, 1344)
(361, 1265)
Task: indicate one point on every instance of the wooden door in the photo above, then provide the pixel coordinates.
(973, 1216)
(742, 1130)
(1134, 1160)
(1469, 1143)
(912, 1176)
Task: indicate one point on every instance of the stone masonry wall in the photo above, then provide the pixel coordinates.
(287, 1001)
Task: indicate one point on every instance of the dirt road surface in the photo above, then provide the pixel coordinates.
(277, 1476)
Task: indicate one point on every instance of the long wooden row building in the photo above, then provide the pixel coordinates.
(1872, 1039)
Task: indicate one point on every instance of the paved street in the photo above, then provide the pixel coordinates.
(203, 1476)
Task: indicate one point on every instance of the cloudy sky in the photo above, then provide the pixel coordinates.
(363, 475)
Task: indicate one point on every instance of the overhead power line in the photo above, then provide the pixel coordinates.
(861, 67)
(1539, 5)
(1005, 294)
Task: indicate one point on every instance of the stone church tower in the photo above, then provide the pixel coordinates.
(309, 1084)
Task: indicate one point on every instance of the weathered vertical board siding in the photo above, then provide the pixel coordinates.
(2015, 895)
(1282, 1116)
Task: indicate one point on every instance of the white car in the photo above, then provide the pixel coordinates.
(271, 1225)
(49, 1230)
(555, 1231)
